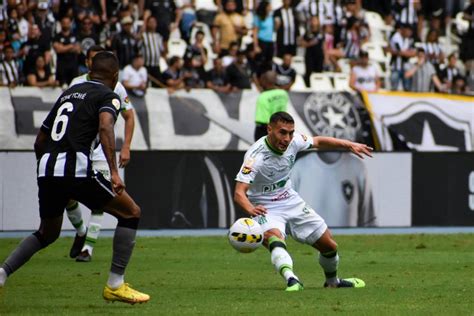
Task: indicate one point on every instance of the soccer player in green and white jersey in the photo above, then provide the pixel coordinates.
(264, 191)
(86, 238)
(271, 100)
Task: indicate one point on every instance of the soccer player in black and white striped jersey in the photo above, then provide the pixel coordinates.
(83, 114)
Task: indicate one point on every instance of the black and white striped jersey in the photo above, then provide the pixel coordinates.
(72, 127)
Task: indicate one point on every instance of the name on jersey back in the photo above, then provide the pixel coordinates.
(75, 95)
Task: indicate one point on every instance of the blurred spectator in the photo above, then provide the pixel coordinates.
(433, 11)
(285, 75)
(352, 39)
(124, 44)
(135, 77)
(193, 75)
(3, 42)
(18, 18)
(34, 47)
(110, 10)
(173, 76)
(364, 77)
(241, 6)
(402, 48)
(407, 12)
(467, 45)
(381, 7)
(187, 12)
(451, 71)
(45, 21)
(331, 52)
(9, 71)
(196, 53)
(329, 12)
(87, 38)
(433, 50)
(217, 78)
(152, 49)
(286, 26)
(41, 76)
(229, 26)
(85, 9)
(313, 41)
(231, 55)
(238, 73)
(263, 26)
(423, 75)
(164, 12)
(67, 50)
(459, 85)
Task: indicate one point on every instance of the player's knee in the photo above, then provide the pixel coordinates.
(46, 239)
(135, 211)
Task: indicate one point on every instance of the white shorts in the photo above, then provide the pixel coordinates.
(299, 221)
(101, 166)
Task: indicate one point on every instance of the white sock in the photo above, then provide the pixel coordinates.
(329, 262)
(115, 280)
(283, 263)
(75, 217)
(3, 277)
(93, 232)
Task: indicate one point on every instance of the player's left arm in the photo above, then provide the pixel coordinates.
(107, 140)
(129, 118)
(40, 143)
(324, 142)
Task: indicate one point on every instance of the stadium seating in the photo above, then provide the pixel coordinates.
(341, 82)
(320, 82)
(299, 85)
(299, 65)
(176, 47)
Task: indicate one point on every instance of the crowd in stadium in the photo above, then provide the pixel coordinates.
(225, 45)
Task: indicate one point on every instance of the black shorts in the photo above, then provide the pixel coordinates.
(55, 192)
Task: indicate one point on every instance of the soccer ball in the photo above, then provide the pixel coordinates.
(245, 235)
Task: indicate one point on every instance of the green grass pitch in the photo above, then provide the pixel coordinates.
(405, 275)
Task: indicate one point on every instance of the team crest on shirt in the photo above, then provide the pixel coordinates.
(347, 190)
(116, 103)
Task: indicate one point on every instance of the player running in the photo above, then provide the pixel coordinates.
(86, 238)
(63, 149)
(264, 191)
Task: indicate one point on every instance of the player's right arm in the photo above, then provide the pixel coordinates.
(240, 197)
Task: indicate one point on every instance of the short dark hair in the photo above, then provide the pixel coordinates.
(105, 63)
(93, 49)
(173, 60)
(420, 50)
(363, 54)
(281, 117)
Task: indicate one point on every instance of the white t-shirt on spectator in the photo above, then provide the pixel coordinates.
(365, 78)
(135, 77)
